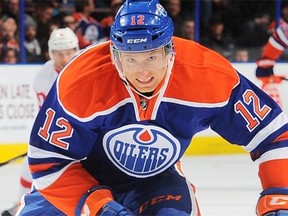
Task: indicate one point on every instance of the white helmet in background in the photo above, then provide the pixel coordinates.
(62, 39)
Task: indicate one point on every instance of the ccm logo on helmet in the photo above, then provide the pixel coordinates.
(137, 40)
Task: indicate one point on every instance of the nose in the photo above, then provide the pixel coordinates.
(144, 72)
(65, 59)
(144, 66)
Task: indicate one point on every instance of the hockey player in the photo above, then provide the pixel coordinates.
(63, 45)
(122, 113)
(276, 45)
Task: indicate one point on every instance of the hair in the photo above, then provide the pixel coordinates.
(80, 4)
(5, 51)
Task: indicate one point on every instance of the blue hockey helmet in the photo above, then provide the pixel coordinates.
(141, 25)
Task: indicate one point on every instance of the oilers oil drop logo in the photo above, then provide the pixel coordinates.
(140, 150)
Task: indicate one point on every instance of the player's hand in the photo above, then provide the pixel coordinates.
(273, 202)
(113, 208)
(99, 201)
(265, 73)
(277, 213)
(264, 67)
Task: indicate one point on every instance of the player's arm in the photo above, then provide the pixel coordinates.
(261, 127)
(40, 98)
(58, 144)
(275, 46)
(273, 172)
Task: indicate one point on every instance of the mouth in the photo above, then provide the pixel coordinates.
(144, 81)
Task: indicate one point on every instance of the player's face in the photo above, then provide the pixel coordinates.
(61, 58)
(144, 70)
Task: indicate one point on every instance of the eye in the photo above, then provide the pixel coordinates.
(131, 60)
(151, 58)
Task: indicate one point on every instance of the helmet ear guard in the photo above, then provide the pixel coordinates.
(115, 58)
(169, 48)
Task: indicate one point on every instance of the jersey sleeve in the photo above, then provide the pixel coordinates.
(58, 144)
(43, 81)
(260, 126)
(277, 43)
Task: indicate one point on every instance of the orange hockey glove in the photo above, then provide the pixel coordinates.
(264, 67)
(278, 213)
(99, 202)
(273, 202)
(265, 73)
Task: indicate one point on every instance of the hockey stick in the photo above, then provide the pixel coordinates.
(272, 79)
(13, 159)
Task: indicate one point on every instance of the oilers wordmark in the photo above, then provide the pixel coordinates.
(140, 158)
(141, 150)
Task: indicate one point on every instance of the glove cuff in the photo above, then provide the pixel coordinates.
(274, 190)
(93, 201)
(269, 202)
(265, 63)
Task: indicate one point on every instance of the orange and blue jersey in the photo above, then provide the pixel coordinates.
(277, 43)
(92, 129)
(88, 31)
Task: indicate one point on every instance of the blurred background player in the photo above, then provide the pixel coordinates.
(108, 20)
(63, 45)
(88, 29)
(275, 47)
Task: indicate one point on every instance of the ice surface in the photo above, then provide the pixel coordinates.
(226, 185)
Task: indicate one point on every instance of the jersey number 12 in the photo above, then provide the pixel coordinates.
(56, 137)
(261, 112)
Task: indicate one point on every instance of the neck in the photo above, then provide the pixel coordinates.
(148, 94)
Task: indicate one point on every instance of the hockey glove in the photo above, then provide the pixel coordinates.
(265, 73)
(113, 208)
(264, 68)
(99, 201)
(273, 202)
(277, 213)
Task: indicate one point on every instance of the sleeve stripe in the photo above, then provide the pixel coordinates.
(40, 167)
(275, 44)
(194, 104)
(282, 36)
(35, 152)
(277, 123)
(280, 153)
(45, 181)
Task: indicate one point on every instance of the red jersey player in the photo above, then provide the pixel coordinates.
(63, 45)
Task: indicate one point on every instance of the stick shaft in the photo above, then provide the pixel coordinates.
(13, 159)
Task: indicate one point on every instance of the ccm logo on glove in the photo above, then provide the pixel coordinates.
(278, 200)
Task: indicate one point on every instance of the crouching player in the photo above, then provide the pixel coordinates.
(122, 113)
